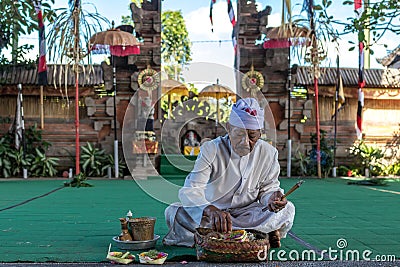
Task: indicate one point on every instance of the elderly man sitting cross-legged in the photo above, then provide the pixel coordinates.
(233, 179)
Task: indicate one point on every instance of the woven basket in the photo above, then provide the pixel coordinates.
(214, 250)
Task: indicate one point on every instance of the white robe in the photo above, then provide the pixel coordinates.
(239, 185)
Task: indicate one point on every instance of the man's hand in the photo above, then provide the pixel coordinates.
(220, 220)
(275, 202)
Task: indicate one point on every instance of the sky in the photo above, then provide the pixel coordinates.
(216, 47)
(196, 14)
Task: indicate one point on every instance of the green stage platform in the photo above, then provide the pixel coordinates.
(77, 224)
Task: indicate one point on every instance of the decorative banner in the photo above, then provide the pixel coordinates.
(42, 66)
(358, 8)
(211, 15)
(252, 80)
(148, 79)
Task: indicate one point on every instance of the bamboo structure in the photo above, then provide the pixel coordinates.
(76, 70)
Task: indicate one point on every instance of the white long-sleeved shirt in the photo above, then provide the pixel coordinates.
(222, 178)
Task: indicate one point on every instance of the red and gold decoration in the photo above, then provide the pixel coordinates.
(148, 79)
(252, 80)
(145, 146)
(145, 142)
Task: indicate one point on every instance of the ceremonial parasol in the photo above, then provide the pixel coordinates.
(217, 91)
(171, 88)
(117, 43)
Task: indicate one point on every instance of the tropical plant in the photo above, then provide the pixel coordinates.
(13, 160)
(343, 171)
(308, 163)
(19, 18)
(20, 58)
(42, 165)
(393, 169)
(19, 160)
(78, 180)
(365, 156)
(110, 164)
(175, 43)
(93, 159)
(34, 139)
(5, 161)
(300, 163)
(379, 17)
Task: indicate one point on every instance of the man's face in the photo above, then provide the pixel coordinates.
(243, 140)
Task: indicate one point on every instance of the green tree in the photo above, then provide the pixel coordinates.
(19, 18)
(127, 20)
(379, 18)
(321, 32)
(175, 43)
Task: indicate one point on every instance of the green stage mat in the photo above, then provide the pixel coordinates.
(77, 224)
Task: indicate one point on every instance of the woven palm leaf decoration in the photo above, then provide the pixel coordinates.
(252, 81)
(148, 79)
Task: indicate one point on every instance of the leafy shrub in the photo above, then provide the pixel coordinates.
(307, 163)
(42, 165)
(93, 160)
(365, 156)
(5, 161)
(393, 169)
(32, 157)
(110, 163)
(79, 180)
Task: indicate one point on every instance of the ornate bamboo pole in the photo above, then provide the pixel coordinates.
(76, 70)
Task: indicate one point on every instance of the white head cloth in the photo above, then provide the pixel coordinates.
(246, 113)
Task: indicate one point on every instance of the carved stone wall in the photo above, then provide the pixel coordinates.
(272, 63)
(147, 29)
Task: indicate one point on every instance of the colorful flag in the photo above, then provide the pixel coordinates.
(358, 8)
(232, 18)
(359, 113)
(211, 9)
(234, 42)
(361, 81)
(231, 13)
(115, 50)
(42, 67)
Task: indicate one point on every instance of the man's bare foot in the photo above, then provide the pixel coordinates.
(274, 239)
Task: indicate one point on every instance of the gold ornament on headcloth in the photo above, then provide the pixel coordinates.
(148, 79)
(252, 81)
